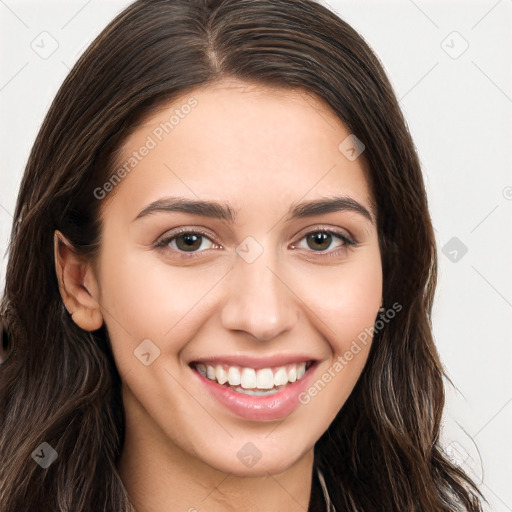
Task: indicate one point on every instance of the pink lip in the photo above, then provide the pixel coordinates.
(259, 408)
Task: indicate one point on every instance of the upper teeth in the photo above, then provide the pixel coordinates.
(249, 378)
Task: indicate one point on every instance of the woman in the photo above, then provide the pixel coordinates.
(220, 278)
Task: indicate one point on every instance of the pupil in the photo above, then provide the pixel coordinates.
(319, 238)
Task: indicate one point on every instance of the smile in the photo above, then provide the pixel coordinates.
(251, 381)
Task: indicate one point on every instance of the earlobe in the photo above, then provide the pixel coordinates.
(72, 271)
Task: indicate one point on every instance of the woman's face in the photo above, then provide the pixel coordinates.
(214, 259)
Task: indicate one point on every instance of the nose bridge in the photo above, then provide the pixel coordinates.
(258, 301)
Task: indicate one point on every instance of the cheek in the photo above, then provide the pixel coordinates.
(344, 299)
(145, 298)
(343, 306)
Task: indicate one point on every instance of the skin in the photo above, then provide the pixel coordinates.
(261, 150)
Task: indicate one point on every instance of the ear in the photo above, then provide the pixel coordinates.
(77, 285)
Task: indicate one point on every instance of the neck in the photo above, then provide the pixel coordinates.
(158, 475)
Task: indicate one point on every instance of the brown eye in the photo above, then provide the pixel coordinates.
(322, 240)
(189, 241)
(319, 241)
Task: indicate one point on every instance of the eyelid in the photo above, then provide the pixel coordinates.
(169, 235)
(342, 233)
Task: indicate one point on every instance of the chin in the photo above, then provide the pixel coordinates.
(257, 457)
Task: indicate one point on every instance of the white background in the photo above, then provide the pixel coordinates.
(458, 105)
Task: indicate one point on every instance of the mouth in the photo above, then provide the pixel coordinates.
(258, 382)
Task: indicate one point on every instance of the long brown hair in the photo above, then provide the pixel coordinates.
(59, 384)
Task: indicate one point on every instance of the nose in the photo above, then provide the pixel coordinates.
(259, 301)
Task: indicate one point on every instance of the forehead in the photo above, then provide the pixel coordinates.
(240, 142)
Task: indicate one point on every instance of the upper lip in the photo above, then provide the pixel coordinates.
(247, 361)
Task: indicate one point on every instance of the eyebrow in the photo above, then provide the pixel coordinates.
(223, 211)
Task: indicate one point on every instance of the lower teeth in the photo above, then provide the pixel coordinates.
(259, 392)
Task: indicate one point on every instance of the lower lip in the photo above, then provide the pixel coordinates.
(259, 408)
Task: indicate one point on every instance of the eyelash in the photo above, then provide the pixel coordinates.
(164, 242)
